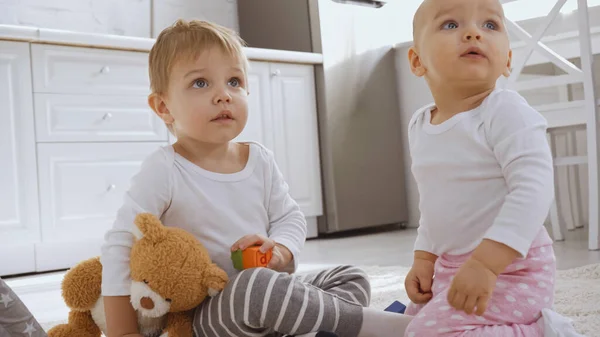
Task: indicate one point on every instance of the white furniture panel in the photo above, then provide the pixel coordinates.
(282, 115)
(294, 113)
(75, 70)
(259, 126)
(81, 189)
(19, 216)
(84, 118)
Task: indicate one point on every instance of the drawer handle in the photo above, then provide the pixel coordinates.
(276, 72)
(107, 116)
(111, 187)
(105, 70)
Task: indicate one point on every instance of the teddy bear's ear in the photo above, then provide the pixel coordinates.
(149, 226)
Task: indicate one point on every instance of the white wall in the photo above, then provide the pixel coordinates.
(119, 17)
(223, 12)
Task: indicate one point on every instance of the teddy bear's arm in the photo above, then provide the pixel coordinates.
(179, 324)
(215, 279)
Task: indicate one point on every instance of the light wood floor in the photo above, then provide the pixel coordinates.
(395, 248)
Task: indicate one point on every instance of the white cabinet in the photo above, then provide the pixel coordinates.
(19, 215)
(93, 130)
(259, 125)
(296, 148)
(89, 118)
(282, 115)
(81, 189)
(67, 70)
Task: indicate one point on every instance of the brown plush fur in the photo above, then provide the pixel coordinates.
(170, 261)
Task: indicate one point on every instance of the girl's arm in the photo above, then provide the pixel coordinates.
(517, 135)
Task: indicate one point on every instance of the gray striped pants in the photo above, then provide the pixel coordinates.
(15, 318)
(262, 302)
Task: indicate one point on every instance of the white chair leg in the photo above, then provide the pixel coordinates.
(562, 183)
(555, 221)
(574, 182)
(554, 215)
(591, 108)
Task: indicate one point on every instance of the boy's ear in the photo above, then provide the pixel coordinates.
(159, 106)
(416, 66)
(507, 71)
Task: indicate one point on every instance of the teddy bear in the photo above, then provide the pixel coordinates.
(171, 274)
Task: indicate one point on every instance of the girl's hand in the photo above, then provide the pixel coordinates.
(281, 254)
(475, 281)
(472, 287)
(419, 280)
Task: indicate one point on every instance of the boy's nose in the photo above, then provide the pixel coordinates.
(222, 97)
(472, 36)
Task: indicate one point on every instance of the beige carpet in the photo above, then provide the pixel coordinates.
(577, 295)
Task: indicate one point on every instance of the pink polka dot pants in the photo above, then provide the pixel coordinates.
(522, 291)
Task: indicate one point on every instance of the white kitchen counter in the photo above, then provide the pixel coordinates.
(63, 37)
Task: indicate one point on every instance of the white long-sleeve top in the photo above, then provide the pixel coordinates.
(218, 209)
(486, 173)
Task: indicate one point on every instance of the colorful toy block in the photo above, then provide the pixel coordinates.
(250, 257)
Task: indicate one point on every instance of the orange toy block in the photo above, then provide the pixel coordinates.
(250, 257)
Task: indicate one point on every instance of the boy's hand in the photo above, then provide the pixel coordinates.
(472, 287)
(420, 278)
(281, 254)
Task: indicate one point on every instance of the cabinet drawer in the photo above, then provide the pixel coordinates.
(82, 118)
(82, 186)
(69, 70)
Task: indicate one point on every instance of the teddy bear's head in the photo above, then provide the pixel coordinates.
(171, 271)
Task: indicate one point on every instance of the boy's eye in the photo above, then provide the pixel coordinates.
(234, 82)
(450, 25)
(200, 83)
(490, 25)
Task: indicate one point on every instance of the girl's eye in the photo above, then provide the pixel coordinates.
(234, 82)
(490, 25)
(450, 25)
(200, 83)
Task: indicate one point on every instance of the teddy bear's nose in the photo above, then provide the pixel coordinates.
(147, 303)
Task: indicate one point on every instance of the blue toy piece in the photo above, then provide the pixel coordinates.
(396, 307)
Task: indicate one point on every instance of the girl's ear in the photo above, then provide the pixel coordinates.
(416, 66)
(507, 71)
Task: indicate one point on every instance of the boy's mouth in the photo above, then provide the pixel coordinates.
(473, 52)
(223, 116)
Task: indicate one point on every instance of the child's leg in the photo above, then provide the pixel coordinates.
(347, 282)
(514, 310)
(260, 302)
(15, 318)
(352, 284)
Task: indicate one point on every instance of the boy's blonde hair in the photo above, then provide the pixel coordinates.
(185, 40)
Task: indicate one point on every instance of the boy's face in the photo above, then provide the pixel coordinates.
(462, 41)
(207, 98)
